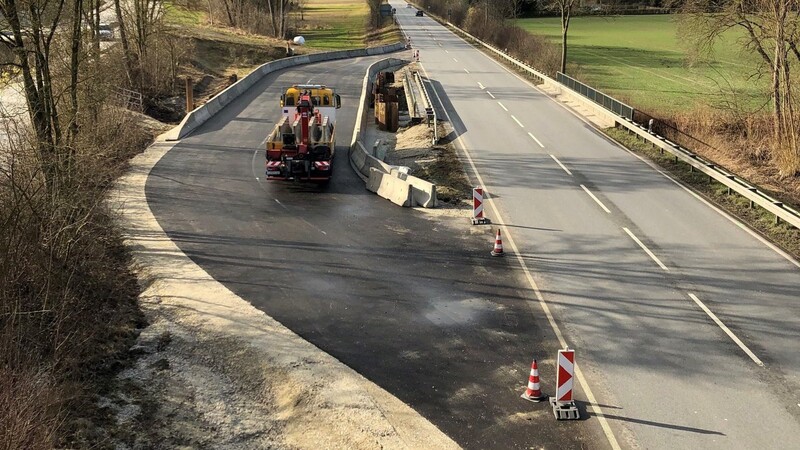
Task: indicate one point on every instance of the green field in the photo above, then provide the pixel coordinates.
(643, 60)
(334, 24)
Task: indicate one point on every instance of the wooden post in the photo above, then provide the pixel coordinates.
(189, 95)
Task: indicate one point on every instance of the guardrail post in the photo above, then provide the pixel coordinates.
(777, 218)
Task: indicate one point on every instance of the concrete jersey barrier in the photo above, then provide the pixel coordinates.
(394, 189)
(392, 185)
(200, 115)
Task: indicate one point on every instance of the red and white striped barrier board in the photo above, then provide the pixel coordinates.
(566, 371)
(477, 207)
(563, 404)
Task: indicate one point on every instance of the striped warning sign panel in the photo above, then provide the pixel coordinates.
(564, 377)
(477, 203)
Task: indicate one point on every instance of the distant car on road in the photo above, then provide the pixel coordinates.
(106, 32)
(408, 5)
(419, 13)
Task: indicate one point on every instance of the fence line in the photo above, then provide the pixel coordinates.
(131, 99)
(608, 102)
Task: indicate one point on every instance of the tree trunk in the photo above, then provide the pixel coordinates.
(231, 20)
(123, 37)
(73, 67)
(778, 62)
(31, 52)
(565, 15)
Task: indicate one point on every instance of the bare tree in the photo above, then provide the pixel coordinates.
(124, 41)
(75, 54)
(565, 8)
(33, 29)
(771, 31)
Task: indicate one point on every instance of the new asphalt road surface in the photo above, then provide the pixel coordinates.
(686, 324)
(412, 301)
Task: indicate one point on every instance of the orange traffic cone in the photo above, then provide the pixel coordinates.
(498, 245)
(533, 392)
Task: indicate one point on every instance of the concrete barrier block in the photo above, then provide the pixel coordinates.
(359, 158)
(391, 188)
(214, 105)
(377, 164)
(226, 96)
(188, 124)
(201, 115)
(423, 192)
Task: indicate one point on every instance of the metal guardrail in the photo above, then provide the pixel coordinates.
(731, 181)
(430, 111)
(411, 98)
(781, 211)
(608, 102)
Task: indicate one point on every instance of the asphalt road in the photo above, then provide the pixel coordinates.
(412, 302)
(583, 211)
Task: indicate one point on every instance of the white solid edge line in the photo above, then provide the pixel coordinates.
(539, 142)
(503, 106)
(490, 94)
(595, 406)
(596, 200)
(719, 211)
(566, 170)
(646, 250)
(727, 330)
(518, 122)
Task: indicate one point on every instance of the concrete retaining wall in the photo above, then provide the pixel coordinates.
(392, 184)
(200, 115)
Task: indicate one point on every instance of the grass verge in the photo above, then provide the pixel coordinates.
(760, 220)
